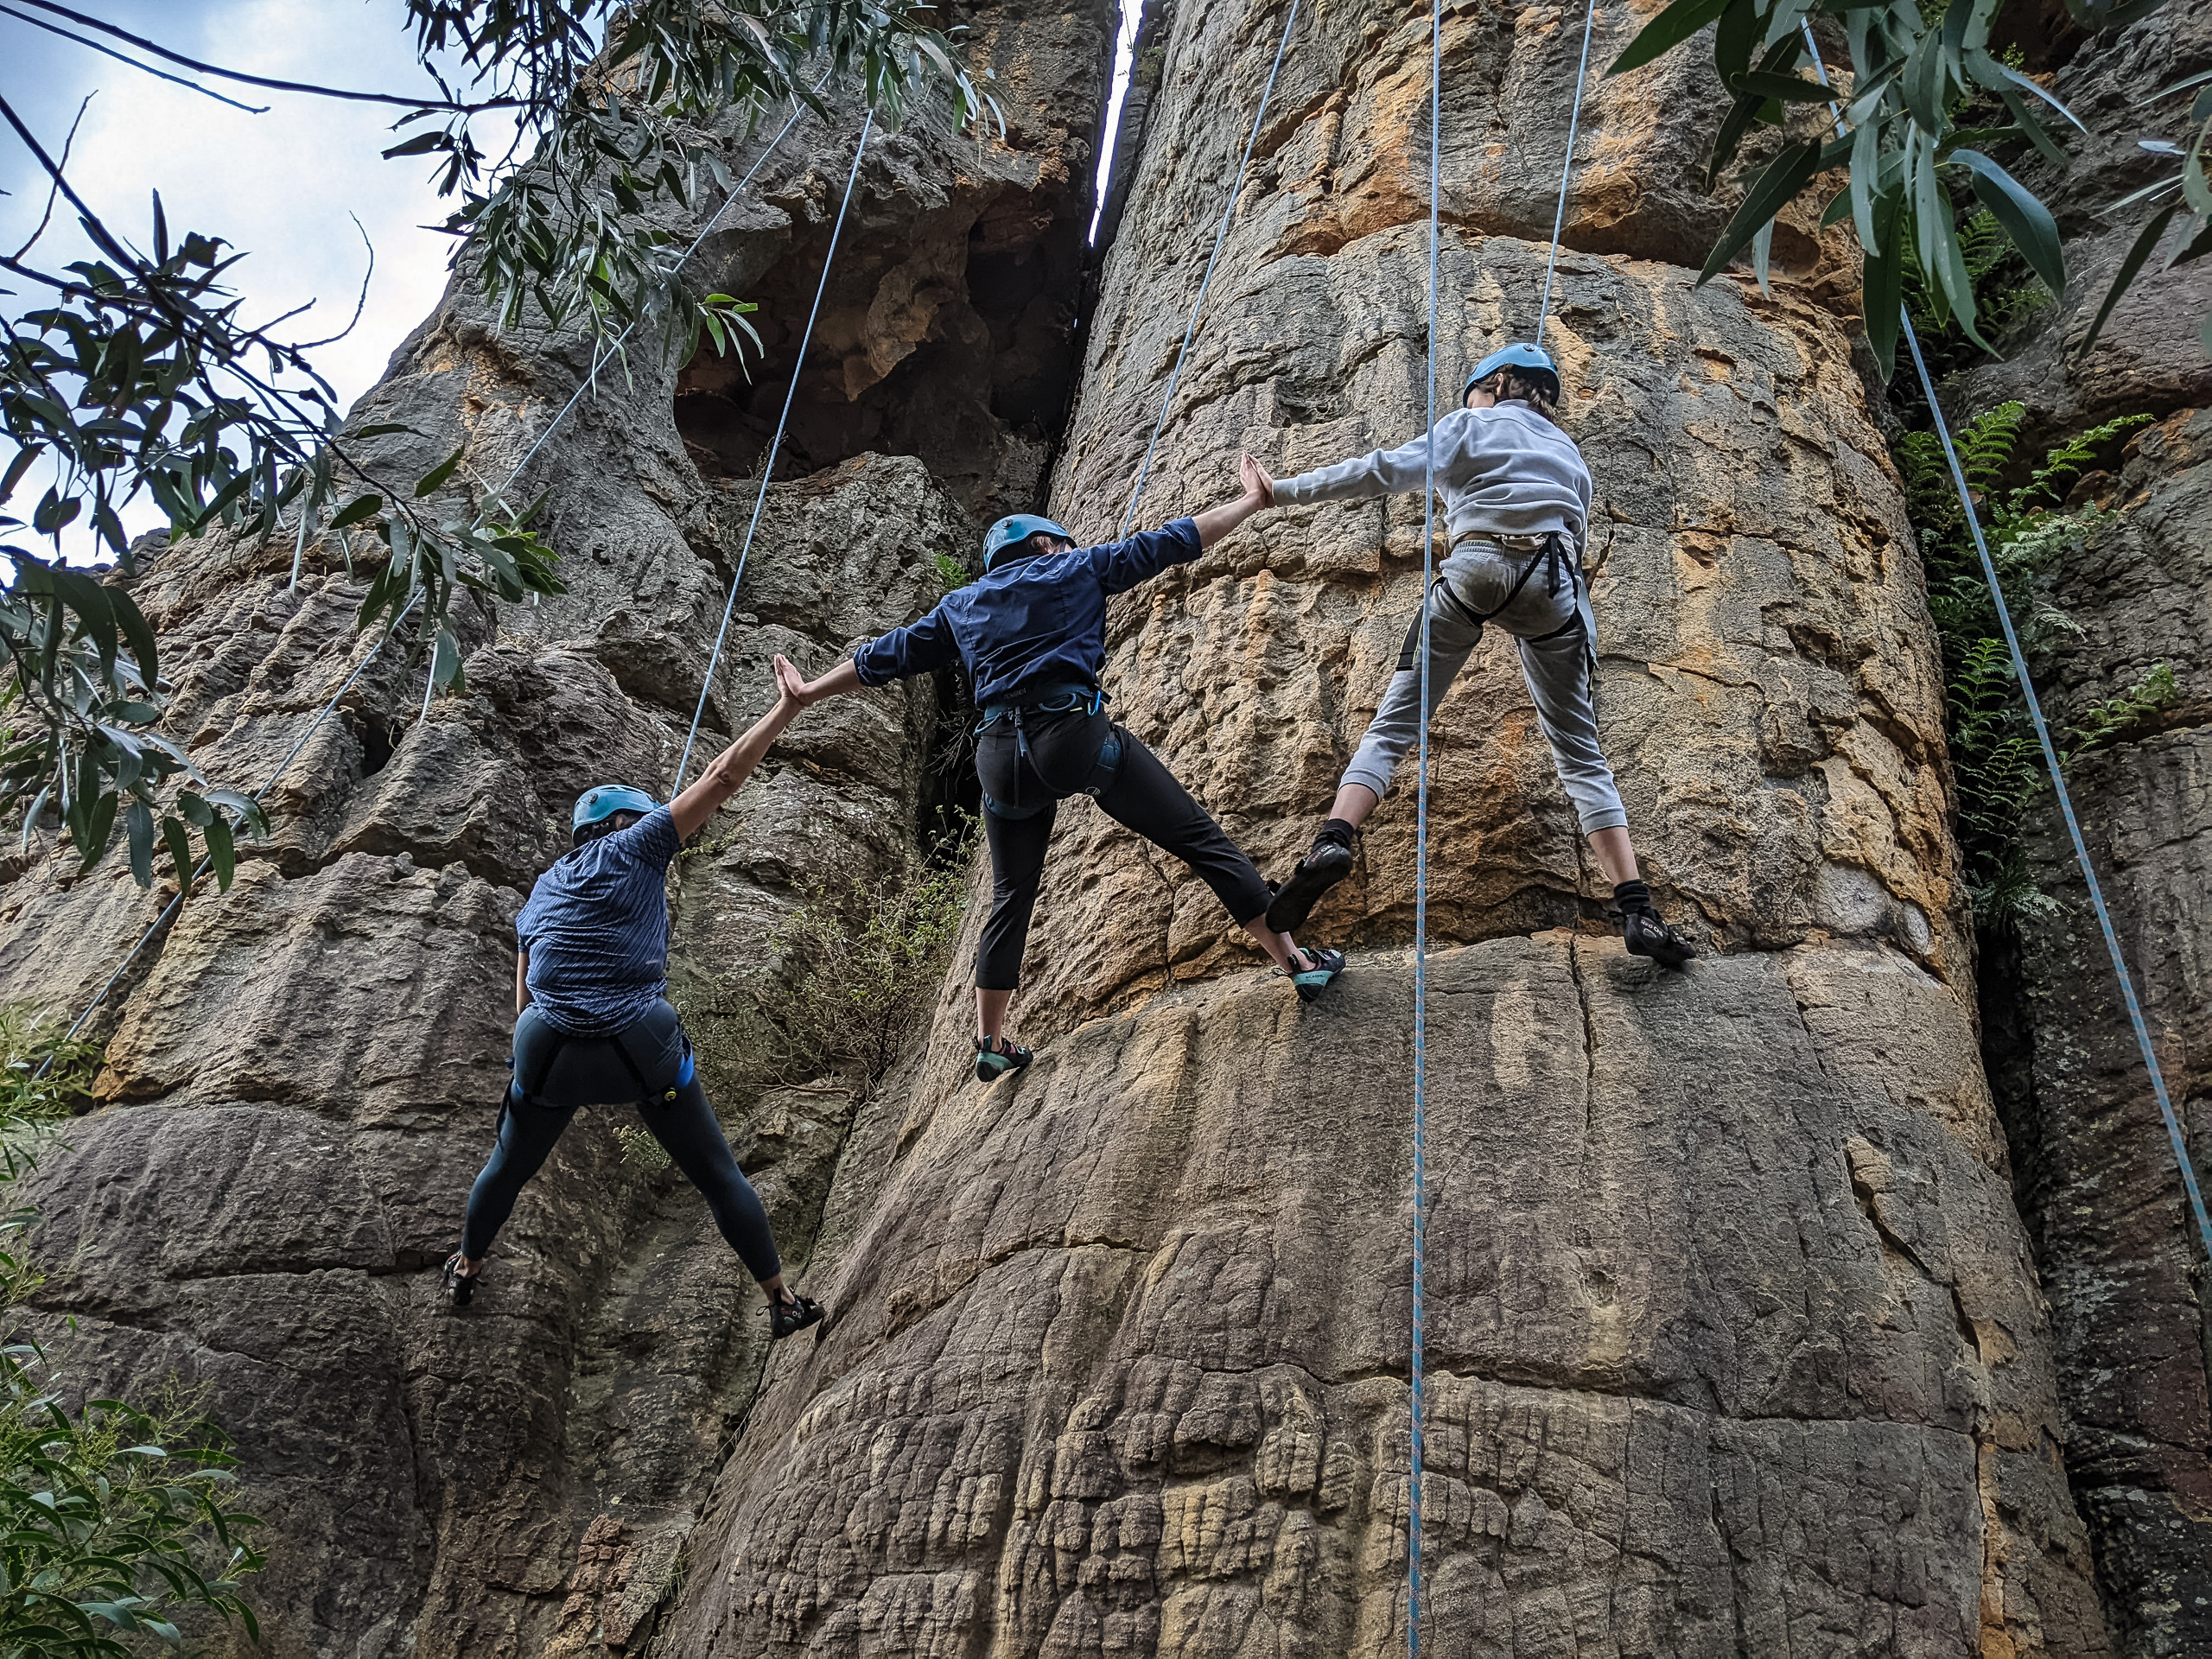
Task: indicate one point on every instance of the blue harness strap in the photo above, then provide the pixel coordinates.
(1066, 699)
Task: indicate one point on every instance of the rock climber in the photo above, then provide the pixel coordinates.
(1517, 507)
(593, 1027)
(1031, 634)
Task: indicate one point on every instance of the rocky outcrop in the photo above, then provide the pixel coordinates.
(301, 1074)
(2096, 1177)
(1737, 1345)
(1735, 1342)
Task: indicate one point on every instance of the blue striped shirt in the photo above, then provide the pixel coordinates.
(596, 930)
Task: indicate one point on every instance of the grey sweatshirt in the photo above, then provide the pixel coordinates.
(1503, 471)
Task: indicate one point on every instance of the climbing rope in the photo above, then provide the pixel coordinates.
(768, 467)
(1205, 281)
(330, 704)
(2180, 1144)
(1567, 168)
(1418, 1366)
(1418, 1445)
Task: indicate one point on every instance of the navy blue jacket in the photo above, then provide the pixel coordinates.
(1034, 623)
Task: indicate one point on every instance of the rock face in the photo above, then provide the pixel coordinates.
(2096, 1178)
(302, 1074)
(1735, 1344)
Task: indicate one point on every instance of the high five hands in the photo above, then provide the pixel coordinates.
(1259, 494)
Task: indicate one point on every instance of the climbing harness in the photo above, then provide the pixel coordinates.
(1205, 280)
(1418, 1445)
(2180, 1144)
(330, 704)
(775, 444)
(1053, 700)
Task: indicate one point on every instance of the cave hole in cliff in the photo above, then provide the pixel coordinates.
(374, 736)
(952, 342)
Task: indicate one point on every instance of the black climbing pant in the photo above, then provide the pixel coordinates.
(1063, 755)
(650, 1064)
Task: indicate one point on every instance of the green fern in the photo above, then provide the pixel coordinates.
(2117, 718)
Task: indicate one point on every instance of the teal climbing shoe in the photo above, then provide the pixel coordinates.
(1327, 864)
(1313, 979)
(994, 1061)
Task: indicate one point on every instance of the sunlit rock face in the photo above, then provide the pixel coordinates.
(1735, 1343)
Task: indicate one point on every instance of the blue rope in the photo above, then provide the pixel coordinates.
(2182, 1161)
(1420, 863)
(1190, 330)
(2174, 1135)
(1567, 168)
(768, 467)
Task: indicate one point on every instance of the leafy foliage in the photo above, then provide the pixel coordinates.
(136, 374)
(1994, 753)
(1914, 76)
(851, 975)
(114, 1521)
(2007, 294)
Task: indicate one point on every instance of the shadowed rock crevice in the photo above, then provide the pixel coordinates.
(953, 341)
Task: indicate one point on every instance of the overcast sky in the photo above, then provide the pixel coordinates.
(279, 185)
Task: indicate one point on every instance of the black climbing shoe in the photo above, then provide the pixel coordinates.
(459, 1286)
(791, 1312)
(1322, 966)
(994, 1061)
(1648, 936)
(1327, 864)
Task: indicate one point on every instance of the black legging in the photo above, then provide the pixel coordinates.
(563, 1072)
(1063, 751)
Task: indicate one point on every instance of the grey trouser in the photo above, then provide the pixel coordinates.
(1552, 619)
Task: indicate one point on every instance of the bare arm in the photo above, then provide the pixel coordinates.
(522, 981)
(729, 769)
(1259, 493)
(846, 677)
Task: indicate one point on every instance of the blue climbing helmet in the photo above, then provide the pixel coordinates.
(1531, 361)
(605, 801)
(1015, 528)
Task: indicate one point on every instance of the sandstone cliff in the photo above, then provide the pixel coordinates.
(1736, 1341)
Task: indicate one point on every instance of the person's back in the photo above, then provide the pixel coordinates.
(1502, 470)
(1517, 507)
(596, 930)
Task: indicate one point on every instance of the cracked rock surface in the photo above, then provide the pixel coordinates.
(1735, 1342)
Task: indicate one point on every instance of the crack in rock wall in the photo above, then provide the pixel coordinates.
(302, 1074)
(2097, 1182)
(1738, 1347)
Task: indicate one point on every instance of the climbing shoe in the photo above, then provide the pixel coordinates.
(1321, 967)
(1327, 864)
(791, 1312)
(995, 1060)
(1647, 935)
(459, 1286)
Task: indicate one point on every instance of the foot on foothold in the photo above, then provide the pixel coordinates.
(1648, 936)
(1318, 968)
(1327, 864)
(791, 1312)
(459, 1286)
(994, 1060)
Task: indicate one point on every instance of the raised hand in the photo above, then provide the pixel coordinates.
(788, 683)
(1258, 481)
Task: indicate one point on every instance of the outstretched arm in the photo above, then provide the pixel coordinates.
(1259, 493)
(846, 677)
(729, 769)
(1380, 472)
